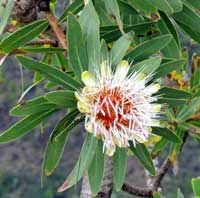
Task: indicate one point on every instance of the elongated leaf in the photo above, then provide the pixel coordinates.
(104, 51)
(147, 66)
(96, 170)
(85, 159)
(64, 123)
(171, 102)
(171, 50)
(177, 5)
(144, 5)
(191, 19)
(112, 8)
(166, 133)
(24, 126)
(120, 48)
(167, 92)
(77, 54)
(175, 147)
(195, 186)
(112, 32)
(23, 35)
(143, 156)
(159, 146)
(188, 110)
(168, 67)
(91, 32)
(148, 48)
(75, 7)
(55, 146)
(50, 73)
(32, 106)
(61, 98)
(194, 3)
(5, 11)
(119, 168)
(162, 5)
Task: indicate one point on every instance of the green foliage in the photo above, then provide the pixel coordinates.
(146, 34)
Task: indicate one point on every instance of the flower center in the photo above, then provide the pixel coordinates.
(113, 108)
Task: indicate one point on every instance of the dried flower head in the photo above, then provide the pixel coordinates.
(119, 106)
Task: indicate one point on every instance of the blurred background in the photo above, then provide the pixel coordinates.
(21, 160)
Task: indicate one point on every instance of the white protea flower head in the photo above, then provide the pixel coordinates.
(119, 106)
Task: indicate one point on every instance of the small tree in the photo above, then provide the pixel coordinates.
(116, 66)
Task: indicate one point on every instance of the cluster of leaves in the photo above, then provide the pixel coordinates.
(142, 32)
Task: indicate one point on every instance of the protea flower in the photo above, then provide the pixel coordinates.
(118, 105)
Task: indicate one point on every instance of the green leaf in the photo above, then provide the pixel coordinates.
(120, 48)
(144, 5)
(64, 123)
(96, 170)
(50, 73)
(177, 5)
(195, 186)
(75, 7)
(171, 50)
(143, 156)
(148, 48)
(77, 54)
(111, 33)
(91, 33)
(23, 35)
(112, 8)
(62, 98)
(24, 126)
(191, 18)
(55, 146)
(32, 106)
(187, 110)
(194, 3)
(159, 146)
(171, 102)
(147, 66)
(195, 79)
(5, 11)
(175, 147)
(84, 161)
(119, 167)
(162, 5)
(157, 195)
(167, 92)
(168, 67)
(104, 51)
(166, 133)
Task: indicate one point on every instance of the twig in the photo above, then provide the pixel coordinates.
(163, 170)
(166, 165)
(141, 192)
(56, 28)
(43, 42)
(146, 192)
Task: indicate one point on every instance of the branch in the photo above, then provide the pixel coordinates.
(166, 165)
(146, 192)
(163, 170)
(57, 30)
(141, 192)
(43, 42)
